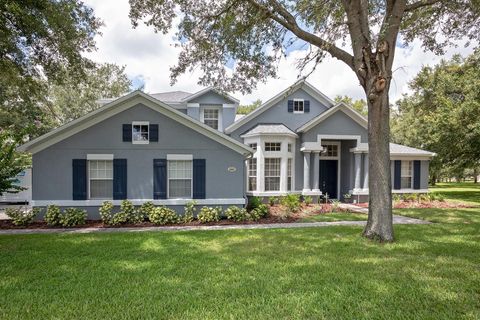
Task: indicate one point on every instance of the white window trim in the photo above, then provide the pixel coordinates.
(303, 106)
(220, 115)
(325, 150)
(141, 123)
(179, 157)
(168, 181)
(271, 142)
(249, 176)
(88, 180)
(279, 174)
(99, 156)
(137, 202)
(405, 176)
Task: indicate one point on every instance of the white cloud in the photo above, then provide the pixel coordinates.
(149, 56)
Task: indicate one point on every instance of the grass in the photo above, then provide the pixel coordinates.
(430, 272)
(467, 192)
(335, 216)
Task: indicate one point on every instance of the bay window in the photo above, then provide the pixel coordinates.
(272, 174)
(252, 174)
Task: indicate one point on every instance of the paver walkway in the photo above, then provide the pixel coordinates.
(396, 220)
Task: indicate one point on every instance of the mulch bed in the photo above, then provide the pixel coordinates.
(275, 216)
(424, 205)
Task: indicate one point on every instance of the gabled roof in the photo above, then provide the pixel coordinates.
(171, 96)
(357, 117)
(202, 92)
(301, 84)
(269, 129)
(122, 104)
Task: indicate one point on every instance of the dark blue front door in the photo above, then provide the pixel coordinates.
(328, 177)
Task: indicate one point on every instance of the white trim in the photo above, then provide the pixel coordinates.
(303, 106)
(179, 157)
(141, 123)
(212, 107)
(353, 114)
(98, 156)
(203, 91)
(311, 192)
(301, 84)
(365, 192)
(122, 104)
(229, 105)
(137, 202)
(168, 179)
(278, 134)
(271, 193)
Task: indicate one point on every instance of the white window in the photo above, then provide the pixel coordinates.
(100, 177)
(140, 132)
(406, 175)
(180, 178)
(253, 146)
(289, 147)
(330, 150)
(272, 146)
(272, 174)
(252, 174)
(210, 117)
(298, 106)
(289, 175)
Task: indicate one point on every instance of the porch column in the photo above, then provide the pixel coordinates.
(316, 170)
(358, 164)
(365, 171)
(306, 171)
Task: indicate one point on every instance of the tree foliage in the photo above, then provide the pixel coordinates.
(246, 109)
(255, 34)
(359, 105)
(442, 115)
(11, 162)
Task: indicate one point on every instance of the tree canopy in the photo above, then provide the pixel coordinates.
(359, 105)
(253, 35)
(442, 114)
(245, 109)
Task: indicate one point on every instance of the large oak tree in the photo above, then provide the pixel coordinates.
(254, 34)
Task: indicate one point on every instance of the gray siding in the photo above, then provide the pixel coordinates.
(338, 124)
(211, 97)
(52, 167)
(279, 114)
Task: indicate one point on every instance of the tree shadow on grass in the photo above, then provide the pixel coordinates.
(431, 272)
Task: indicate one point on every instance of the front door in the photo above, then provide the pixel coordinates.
(328, 177)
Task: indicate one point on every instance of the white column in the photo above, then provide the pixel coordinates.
(306, 171)
(316, 170)
(283, 173)
(260, 166)
(358, 165)
(365, 171)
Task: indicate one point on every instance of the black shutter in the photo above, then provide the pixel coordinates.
(199, 179)
(397, 169)
(127, 132)
(306, 106)
(416, 174)
(119, 179)
(290, 105)
(159, 178)
(153, 134)
(79, 180)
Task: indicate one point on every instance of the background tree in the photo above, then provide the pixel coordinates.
(73, 98)
(359, 105)
(245, 109)
(39, 41)
(255, 34)
(442, 115)
(11, 162)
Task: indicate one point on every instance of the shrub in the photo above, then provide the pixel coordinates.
(106, 212)
(253, 203)
(20, 216)
(272, 201)
(163, 215)
(308, 200)
(237, 214)
(189, 213)
(335, 206)
(263, 210)
(291, 202)
(396, 198)
(73, 217)
(146, 208)
(284, 213)
(209, 214)
(53, 215)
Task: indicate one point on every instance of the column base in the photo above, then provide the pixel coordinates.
(308, 192)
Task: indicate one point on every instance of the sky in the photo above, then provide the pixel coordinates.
(148, 56)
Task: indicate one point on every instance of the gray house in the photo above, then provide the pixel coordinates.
(172, 147)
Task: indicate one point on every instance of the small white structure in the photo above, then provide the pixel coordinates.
(24, 179)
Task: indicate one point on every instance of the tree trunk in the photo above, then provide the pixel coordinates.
(380, 221)
(475, 175)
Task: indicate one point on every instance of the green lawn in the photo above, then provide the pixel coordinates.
(430, 272)
(468, 192)
(335, 216)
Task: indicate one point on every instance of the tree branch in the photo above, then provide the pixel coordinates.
(288, 21)
(419, 4)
